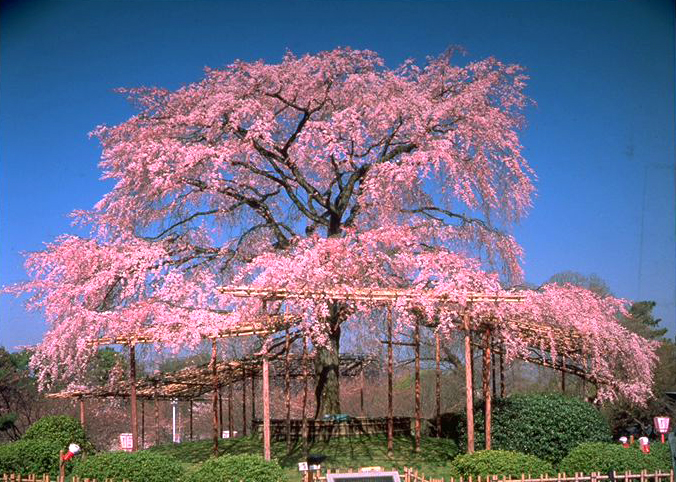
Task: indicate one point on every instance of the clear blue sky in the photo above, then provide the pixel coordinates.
(601, 137)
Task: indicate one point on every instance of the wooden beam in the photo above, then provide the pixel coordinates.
(390, 377)
(143, 424)
(486, 376)
(469, 399)
(132, 397)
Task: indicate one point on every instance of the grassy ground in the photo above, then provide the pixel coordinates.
(341, 453)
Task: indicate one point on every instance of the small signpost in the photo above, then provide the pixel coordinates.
(126, 442)
(661, 426)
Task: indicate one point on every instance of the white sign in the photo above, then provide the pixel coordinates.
(302, 466)
(226, 434)
(661, 424)
(126, 442)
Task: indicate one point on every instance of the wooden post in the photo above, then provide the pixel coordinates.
(244, 400)
(266, 407)
(231, 424)
(494, 380)
(390, 376)
(253, 395)
(437, 386)
(287, 390)
(82, 413)
(361, 391)
(143, 423)
(215, 398)
(563, 374)
(157, 418)
(191, 403)
(304, 427)
(502, 373)
(418, 405)
(486, 372)
(134, 418)
(220, 411)
(469, 399)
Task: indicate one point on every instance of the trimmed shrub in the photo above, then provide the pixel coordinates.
(604, 457)
(30, 457)
(134, 466)
(251, 468)
(499, 462)
(60, 429)
(547, 426)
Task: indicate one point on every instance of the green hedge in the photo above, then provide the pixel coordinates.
(251, 468)
(604, 457)
(136, 467)
(60, 429)
(30, 457)
(499, 462)
(547, 426)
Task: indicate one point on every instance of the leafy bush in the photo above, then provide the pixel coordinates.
(61, 430)
(251, 468)
(547, 426)
(604, 457)
(133, 466)
(499, 462)
(30, 457)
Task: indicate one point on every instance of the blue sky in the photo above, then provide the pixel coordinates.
(601, 137)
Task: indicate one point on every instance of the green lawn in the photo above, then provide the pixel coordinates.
(341, 452)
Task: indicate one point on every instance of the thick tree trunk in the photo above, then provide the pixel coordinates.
(327, 364)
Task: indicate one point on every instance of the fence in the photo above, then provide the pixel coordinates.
(412, 475)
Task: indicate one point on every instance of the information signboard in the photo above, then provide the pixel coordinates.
(364, 477)
(126, 442)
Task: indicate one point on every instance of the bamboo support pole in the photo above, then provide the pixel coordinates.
(418, 404)
(390, 376)
(437, 386)
(266, 407)
(563, 375)
(469, 399)
(132, 397)
(486, 375)
(220, 411)
(216, 398)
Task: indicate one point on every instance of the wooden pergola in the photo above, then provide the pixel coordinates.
(192, 383)
(536, 336)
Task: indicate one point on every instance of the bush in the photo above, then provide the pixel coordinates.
(604, 457)
(30, 457)
(60, 429)
(134, 466)
(547, 426)
(499, 462)
(251, 468)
